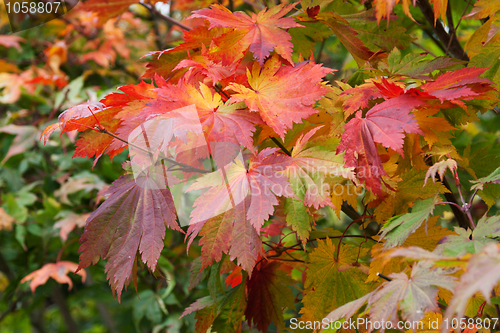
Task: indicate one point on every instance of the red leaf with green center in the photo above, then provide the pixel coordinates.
(132, 219)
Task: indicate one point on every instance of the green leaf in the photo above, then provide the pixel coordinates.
(379, 36)
(147, 305)
(467, 241)
(214, 282)
(398, 228)
(232, 309)
(268, 295)
(196, 274)
(493, 177)
(298, 218)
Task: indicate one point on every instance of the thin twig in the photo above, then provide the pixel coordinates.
(449, 203)
(472, 198)
(165, 17)
(425, 49)
(343, 234)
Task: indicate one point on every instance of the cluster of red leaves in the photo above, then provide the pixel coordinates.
(233, 83)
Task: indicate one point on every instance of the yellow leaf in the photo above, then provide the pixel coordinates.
(431, 125)
(439, 7)
(331, 283)
(483, 9)
(345, 192)
(399, 202)
(383, 8)
(426, 240)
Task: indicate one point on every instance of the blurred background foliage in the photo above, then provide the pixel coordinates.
(45, 194)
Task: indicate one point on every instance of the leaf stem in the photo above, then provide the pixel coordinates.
(449, 203)
(472, 198)
(279, 144)
(343, 234)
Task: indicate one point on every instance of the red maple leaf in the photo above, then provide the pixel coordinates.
(268, 294)
(278, 92)
(132, 219)
(385, 124)
(259, 34)
(262, 182)
(455, 86)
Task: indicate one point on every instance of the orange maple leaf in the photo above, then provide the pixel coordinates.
(58, 271)
(259, 34)
(282, 95)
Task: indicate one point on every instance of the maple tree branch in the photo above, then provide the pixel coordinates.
(455, 48)
(350, 211)
(166, 18)
(279, 144)
(62, 304)
(185, 167)
(451, 27)
(459, 214)
(436, 41)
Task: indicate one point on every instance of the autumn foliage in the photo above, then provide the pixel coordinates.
(239, 138)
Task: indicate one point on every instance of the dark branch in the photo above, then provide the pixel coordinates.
(455, 48)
